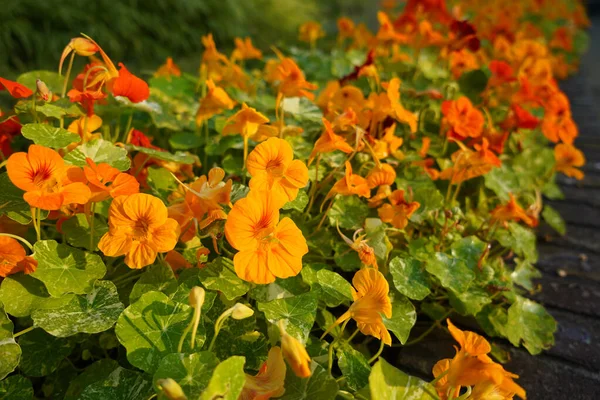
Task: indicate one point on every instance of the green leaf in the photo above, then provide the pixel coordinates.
(22, 294)
(409, 277)
(502, 181)
(219, 275)
(469, 250)
(157, 277)
(161, 182)
(524, 273)
(42, 352)
(345, 257)
(121, 384)
(377, 238)
(452, 272)
(185, 141)
(299, 203)
(77, 231)
(10, 350)
(178, 157)
(98, 371)
(100, 151)
(430, 200)
(320, 385)
(12, 203)
(49, 136)
(94, 312)
(151, 328)
(64, 269)
(16, 387)
(227, 380)
(302, 109)
(387, 382)
(334, 288)
(529, 323)
(471, 301)
(349, 212)
(53, 80)
(519, 239)
(281, 288)
(299, 312)
(403, 317)
(354, 366)
(192, 372)
(493, 319)
(472, 83)
(553, 218)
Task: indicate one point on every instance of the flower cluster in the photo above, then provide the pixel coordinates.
(229, 229)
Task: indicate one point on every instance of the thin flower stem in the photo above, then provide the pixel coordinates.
(353, 335)
(195, 323)
(19, 238)
(377, 162)
(126, 276)
(455, 195)
(35, 223)
(67, 76)
(324, 216)
(428, 331)
(332, 345)
(313, 187)
(218, 325)
(24, 331)
(376, 356)
(129, 123)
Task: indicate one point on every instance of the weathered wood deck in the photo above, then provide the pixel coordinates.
(570, 269)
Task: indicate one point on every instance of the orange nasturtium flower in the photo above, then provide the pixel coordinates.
(249, 123)
(568, 158)
(272, 167)
(168, 69)
(398, 211)
(471, 366)
(292, 80)
(389, 144)
(350, 184)
(139, 229)
(106, 181)
(469, 164)
(463, 119)
(13, 258)
(268, 383)
(345, 28)
(371, 299)
(359, 244)
(512, 211)
(310, 32)
(215, 101)
(15, 89)
(130, 86)
(80, 46)
(398, 111)
(48, 182)
(558, 124)
(245, 50)
(383, 174)
(329, 142)
(267, 248)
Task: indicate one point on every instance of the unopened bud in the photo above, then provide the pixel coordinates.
(241, 311)
(294, 353)
(171, 389)
(43, 91)
(83, 47)
(197, 295)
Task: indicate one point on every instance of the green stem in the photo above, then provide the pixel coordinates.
(68, 75)
(126, 276)
(129, 123)
(376, 356)
(313, 186)
(333, 344)
(429, 330)
(19, 238)
(24, 331)
(92, 219)
(353, 335)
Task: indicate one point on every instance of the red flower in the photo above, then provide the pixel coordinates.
(9, 128)
(15, 89)
(86, 99)
(130, 86)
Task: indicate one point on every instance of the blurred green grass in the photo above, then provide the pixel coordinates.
(142, 33)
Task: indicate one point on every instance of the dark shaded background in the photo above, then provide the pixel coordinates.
(142, 33)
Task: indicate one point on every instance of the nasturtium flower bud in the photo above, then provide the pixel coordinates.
(43, 91)
(294, 353)
(197, 295)
(241, 311)
(171, 389)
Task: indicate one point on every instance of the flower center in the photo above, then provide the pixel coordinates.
(275, 168)
(42, 177)
(141, 229)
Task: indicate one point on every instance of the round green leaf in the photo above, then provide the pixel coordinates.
(9, 349)
(12, 203)
(349, 212)
(219, 275)
(98, 371)
(192, 372)
(299, 312)
(227, 380)
(299, 203)
(94, 312)
(354, 366)
(320, 385)
(179, 157)
(387, 382)
(530, 323)
(453, 273)
(157, 277)
(334, 288)
(22, 294)
(52, 79)
(151, 328)
(410, 277)
(553, 218)
(403, 317)
(77, 231)
(185, 141)
(42, 352)
(16, 387)
(121, 384)
(64, 269)
(49, 136)
(100, 151)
